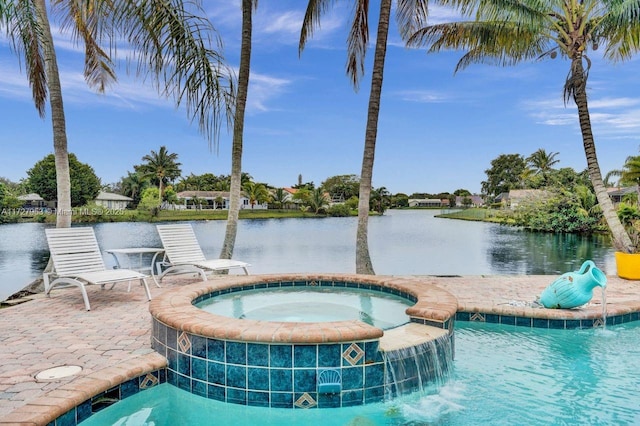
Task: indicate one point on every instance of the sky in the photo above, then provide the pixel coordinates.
(438, 131)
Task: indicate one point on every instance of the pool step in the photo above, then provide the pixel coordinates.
(408, 335)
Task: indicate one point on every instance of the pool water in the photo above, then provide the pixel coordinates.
(502, 375)
(312, 304)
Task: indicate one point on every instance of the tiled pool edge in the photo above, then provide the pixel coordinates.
(568, 323)
(278, 364)
(76, 401)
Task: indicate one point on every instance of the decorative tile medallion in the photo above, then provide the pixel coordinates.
(477, 317)
(305, 401)
(149, 381)
(184, 342)
(598, 322)
(353, 354)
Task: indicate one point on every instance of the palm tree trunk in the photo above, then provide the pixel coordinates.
(238, 130)
(363, 259)
(63, 180)
(621, 240)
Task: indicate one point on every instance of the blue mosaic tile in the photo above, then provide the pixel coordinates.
(492, 318)
(236, 376)
(329, 355)
(372, 353)
(199, 369)
(286, 284)
(282, 399)
(374, 375)
(237, 396)
(215, 350)
(172, 360)
(305, 356)
(374, 394)
(328, 400)
(463, 316)
(339, 284)
(258, 399)
(184, 383)
(67, 419)
(540, 322)
(199, 388)
(236, 353)
(258, 378)
(523, 322)
(83, 411)
(161, 375)
(172, 377)
(199, 346)
(353, 378)
(557, 324)
(216, 373)
(257, 354)
(172, 338)
(572, 324)
(128, 388)
(508, 320)
(281, 380)
(280, 356)
(352, 398)
(219, 393)
(184, 364)
(304, 380)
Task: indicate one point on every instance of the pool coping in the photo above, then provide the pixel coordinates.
(489, 296)
(176, 309)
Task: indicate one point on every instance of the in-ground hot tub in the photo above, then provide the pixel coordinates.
(278, 361)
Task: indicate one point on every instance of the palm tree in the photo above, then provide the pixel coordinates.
(132, 185)
(256, 193)
(630, 174)
(542, 163)
(318, 200)
(233, 214)
(167, 41)
(280, 197)
(507, 32)
(161, 168)
(410, 15)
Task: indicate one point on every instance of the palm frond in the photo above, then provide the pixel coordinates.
(357, 42)
(25, 33)
(411, 15)
(620, 26)
(174, 45)
(497, 43)
(87, 22)
(311, 21)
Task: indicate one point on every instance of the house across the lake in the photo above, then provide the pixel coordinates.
(112, 201)
(214, 200)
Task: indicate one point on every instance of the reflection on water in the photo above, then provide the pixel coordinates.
(408, 242)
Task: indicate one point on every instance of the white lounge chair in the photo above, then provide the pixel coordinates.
(77, 261)
(182, 253)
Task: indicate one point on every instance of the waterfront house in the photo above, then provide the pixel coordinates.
(112, 201)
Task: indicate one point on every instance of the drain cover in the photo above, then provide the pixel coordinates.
(58, 372)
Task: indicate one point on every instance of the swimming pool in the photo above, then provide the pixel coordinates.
(502, 375)
(312, 304)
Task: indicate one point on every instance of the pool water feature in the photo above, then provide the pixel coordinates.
(312, 304)
(280, 364)
(502, 375)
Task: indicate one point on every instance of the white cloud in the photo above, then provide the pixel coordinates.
(422, 96)
(263, 89)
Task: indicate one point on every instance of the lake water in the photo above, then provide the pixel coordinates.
(402, 242)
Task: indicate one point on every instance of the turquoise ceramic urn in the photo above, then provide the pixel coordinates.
(573, 289)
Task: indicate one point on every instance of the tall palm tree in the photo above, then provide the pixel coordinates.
(410, 14)
(161, 168)
(630, 174)
(233, 214)
(507, 32)
(542, 163)
(167, 41)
